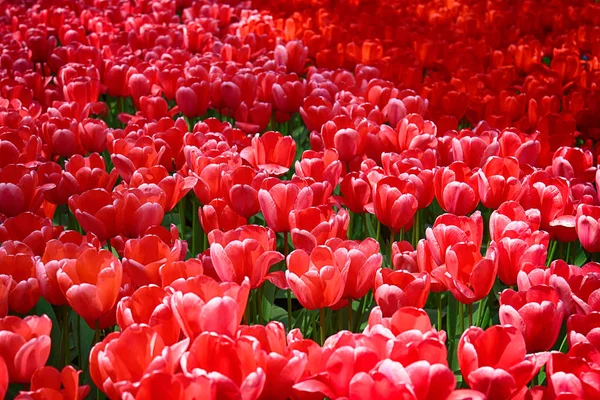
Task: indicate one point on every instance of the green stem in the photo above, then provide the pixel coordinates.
(461, 313)
(470, 311)
(361, 307)
(392, 237)
(65, 336)
(259, 304)
(314, 328)
(378, 235)
(181, 209)
(551, 252)
(439, 316)
(350, 312)
(195, 228)
(322, 320)
(351, 218)
(289, 291)
(339, 320)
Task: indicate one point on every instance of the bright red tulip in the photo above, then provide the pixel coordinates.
(538, 313)
(137, 350)
(143, 258)
(20, 190)
(317, 280)
(219, 215)
(17, 268)
(512, 217)
(278, 201)
(365, 260)
(96, 211)
(394, 203)
(229, 363)
(91, 284)
(313, 226)
(149, 305)
(248, 251)
(467, 274)
(48, 382)
(456, 188)
(495, 361)
(588, 227)
(30, 229)
(200, 304)
(396, 289)
(25, 345)
(240, 188)
(138, 209)
(356, 192)
(174, 186)
(271, 152)
(498, 181)
(321, 166)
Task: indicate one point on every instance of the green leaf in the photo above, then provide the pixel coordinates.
(580, 258)
(43, 307)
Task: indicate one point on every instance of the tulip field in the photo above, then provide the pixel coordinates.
(300, 199)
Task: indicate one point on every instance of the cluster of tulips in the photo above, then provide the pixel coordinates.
(386, 199)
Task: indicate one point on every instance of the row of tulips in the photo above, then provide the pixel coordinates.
(273, 200)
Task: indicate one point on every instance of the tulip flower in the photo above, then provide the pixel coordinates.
(498, 181)
(91, 284)
(240, 188)
(234, 374)
(20, 190)
(219, 215)
(396, 289)
(196, 302)
(394, 203)
(317, 280)
(456, 188)
(495, 361)
(537, 313)
(96, 211)
(47, 382)
(17, 270)
(313, 226)
(277, 201)
(588, 227)
(271, 152)
(143, 258)
(248, 251)
(25, 345)
(147, 305)
(137, 350)
(356, 192)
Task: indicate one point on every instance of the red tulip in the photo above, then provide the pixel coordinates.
(229, 363)
(365, 260)
(193, 98)
(396, 289)
(588, 227)
(356, 192)
(271, 152)
(293, 56)
(174, 186)
(138, 209)
(30, 229)
(495, 361)
(573, 162)
(96, 211)
(17, 269)
(404, 257)
(91, 284)
(537, 313)
(344, 136)
(498, 181)
(512, 217)
(278, 200)
(317, 280)
(149, 305)
(394, 203)
(20, 191)
(283, 366)
(467, 274)
(405, 169)
(25, 345)
(407, 336)
(313, 226)
(248, 251)
(456, 188)
(201, 304)
(218, 215)
(137, 350)
(143, 258)
(410, 131)
(321, 166)
(315, 112)
(46, 383)
(240, 188)
(92, 134)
